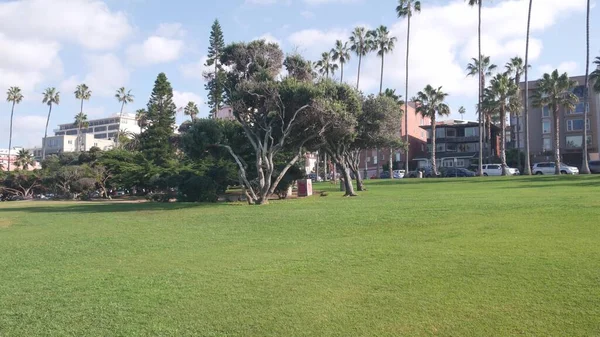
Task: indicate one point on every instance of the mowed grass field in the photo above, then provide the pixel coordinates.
(475, 257)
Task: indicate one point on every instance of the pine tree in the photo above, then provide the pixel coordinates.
(216, 78)
(155, 141)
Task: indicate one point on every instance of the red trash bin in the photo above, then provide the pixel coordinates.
(305, 188)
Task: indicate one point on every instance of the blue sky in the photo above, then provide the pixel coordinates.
(112, 43)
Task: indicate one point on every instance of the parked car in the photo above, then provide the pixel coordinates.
(496, 170)
(427, 173)
(595, 166)
(398, 174)
(315, 178)
(451, 172)
(548, 168)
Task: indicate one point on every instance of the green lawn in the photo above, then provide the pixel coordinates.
(476, 257)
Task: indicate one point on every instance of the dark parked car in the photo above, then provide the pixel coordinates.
(427, 173)
(595, 166)
(451, 172)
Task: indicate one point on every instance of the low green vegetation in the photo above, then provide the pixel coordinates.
(476, 257)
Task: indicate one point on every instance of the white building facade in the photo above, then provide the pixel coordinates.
(104, 128)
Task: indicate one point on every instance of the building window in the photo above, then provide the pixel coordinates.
(113, 127)
(545, 111)
(546, 127)
(547, 144)
(101, 128)
(472, 132)
(450, 133)
(440, 133)
(579, 109)
(576, 125)
(450, 147)
(440, 147)
(574, 141)
(70, 142)
(397, 156)
(72, 132)
(100, 136)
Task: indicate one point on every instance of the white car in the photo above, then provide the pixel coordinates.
(548, 168)
(496, 170)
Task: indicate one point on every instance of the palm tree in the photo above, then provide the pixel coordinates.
(555, 91)
(361, 46)
(82, 93)
(595, 75)
(341, 53)
(191, 109)
(326, 65)
(482, 71)
(141, 116)
(405, 9)
(526, 113)
(384, 44)
(123, 97)
(462, 111)
(51, 96)
(430, 103)
(14, 96)
(82, 122)
(25, 159)
(585, 166)
(503, 90)
(391, 93)
(515, 68)
(481, 86)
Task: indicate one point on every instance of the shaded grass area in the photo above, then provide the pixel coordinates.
(443, 257)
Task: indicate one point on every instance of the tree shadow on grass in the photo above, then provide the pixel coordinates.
(94, 207)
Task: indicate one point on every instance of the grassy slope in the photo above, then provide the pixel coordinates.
(489, 257)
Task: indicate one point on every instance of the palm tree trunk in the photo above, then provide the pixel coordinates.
(342, 75)
(46, 132)
(381, 77)
(527, 170)
(406, 166)
(119, 129)
(480, 169)
(79, 129)
(433, 144)
(503, 139)
(391, 163)
(585, 167)
(556, 142)
(358, 76)
(518, 130)
(12, 112)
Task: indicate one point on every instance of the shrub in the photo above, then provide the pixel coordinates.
(198, 189)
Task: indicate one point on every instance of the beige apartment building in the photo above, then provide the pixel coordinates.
(541, 128)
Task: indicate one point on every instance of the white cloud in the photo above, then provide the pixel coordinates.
(321, 2)
(195, 69)
(32, 125)
(181, 99)
(89, 23)
(155, 50)
(171, 30)
(106, 74)
(570, 67)
(443, 40)
(268, 38)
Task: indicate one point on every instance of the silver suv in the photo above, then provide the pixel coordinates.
(548, 168)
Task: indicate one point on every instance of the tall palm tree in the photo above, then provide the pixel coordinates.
(361, 45)
(82, 93)
(405, 9)
(14, 96)
(515, 68)
(585, 166)
(483, 68)
(51, 96)
(383, 43)
(462, 111)
(527, 170)
(478, 3)
(556, 92)
(191, 109)
(430, 103)
(341, 53)
(124, 97)
(141, 116)
(326, 65)
(595, 75)
(503, 90)
(81, 121)
(24, 160)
